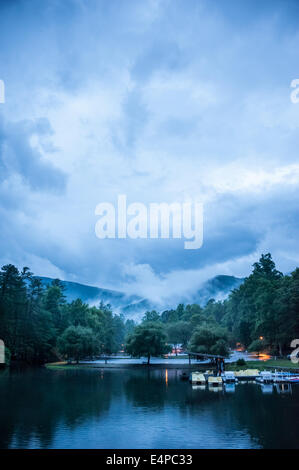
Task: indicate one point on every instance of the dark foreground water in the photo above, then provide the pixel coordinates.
(140, 409)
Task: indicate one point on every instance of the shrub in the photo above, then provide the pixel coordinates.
(241, 362)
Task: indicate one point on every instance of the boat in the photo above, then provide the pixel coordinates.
(281, 377)
(285, 377)
(198, 378)
(293, 379)
(229, 377)
(215, 381)
(265, 377)
(247, 374)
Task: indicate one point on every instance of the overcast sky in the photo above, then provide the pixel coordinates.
(161, 100)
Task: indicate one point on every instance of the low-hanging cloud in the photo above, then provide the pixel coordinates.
(162, 103)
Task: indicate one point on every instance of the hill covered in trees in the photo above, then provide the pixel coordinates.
(38, 323)
(134, 306)
(92, 295)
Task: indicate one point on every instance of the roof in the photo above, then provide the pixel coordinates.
(213, 356)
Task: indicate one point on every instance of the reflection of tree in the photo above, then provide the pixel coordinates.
(145, 389)
(36, 401)
(268, 419)
(149, 389)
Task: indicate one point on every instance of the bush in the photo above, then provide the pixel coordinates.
(241, 362)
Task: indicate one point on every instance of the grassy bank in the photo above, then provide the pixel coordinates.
(261, 365)
(63, 365)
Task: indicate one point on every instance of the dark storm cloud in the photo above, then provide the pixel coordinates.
(18, 156)
(158, 101)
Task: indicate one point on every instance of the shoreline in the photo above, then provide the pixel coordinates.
(260, 365)
(125, 366)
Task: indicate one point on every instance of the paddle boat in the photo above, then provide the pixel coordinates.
(247, 374)
(265, 377)
(285, 377)
(293, 379)
(280, 377)
(198, 378)
(215, 381)
(229, 377)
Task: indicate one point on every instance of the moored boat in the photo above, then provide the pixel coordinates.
(280, 377)
(265, 377)
(229, 377)
(198, 378)
(247, 374)
(293, 379)
(215, 381)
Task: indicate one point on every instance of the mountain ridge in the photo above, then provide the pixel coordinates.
(133, 306)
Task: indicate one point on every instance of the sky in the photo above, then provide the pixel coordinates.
(160, 100)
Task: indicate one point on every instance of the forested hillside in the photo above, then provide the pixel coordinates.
(37, 324)
(134, 306)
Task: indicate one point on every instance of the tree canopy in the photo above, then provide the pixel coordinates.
(35, 319)
(77, 342)
(147, 339)
(37, 324)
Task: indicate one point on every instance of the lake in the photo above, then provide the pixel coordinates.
(123, 408)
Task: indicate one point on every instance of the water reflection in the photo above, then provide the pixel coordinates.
(217, 389)
(198, 387)
(143, 409)
(283, 388)
(230, 388)
(35, 402)
(267, 388)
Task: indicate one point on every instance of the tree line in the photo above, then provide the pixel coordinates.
(262, 315)
(37, 324)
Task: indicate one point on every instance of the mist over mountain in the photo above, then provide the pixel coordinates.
(216, 288)
(93, 295)
(133, 306)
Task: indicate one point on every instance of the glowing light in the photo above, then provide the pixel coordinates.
(264, 357)
(261, 338)
(166, 377)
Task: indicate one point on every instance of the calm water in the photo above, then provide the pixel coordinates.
(140, 409)
(234, 356)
